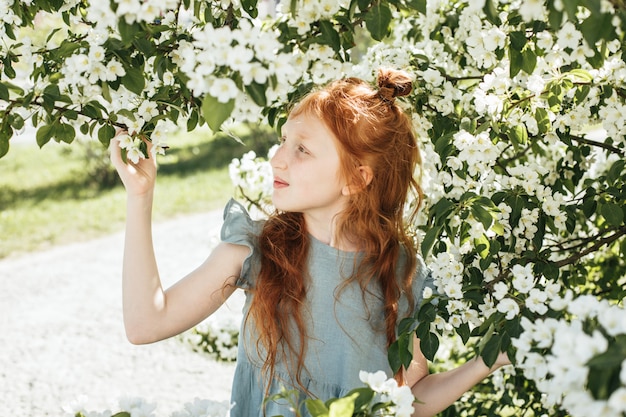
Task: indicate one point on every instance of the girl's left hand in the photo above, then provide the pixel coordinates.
(138, 178)
(502, 360)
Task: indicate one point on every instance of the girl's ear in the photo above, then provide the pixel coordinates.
(366, 174)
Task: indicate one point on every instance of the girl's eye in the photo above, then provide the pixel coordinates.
(302, 149)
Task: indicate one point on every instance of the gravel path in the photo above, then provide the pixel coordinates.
(61, 332)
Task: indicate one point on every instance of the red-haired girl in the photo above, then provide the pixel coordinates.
(327, 276)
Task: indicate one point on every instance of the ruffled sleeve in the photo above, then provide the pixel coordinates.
(424, 279)
(239, 228)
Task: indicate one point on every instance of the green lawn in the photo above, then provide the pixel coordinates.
(48, 196)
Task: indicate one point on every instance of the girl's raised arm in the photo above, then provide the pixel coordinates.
(150, 313)
(436, 392)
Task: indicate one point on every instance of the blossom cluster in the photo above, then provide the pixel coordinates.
(252, 176)
(217, 336)
(139, 407)
(399, 398)
(555, 353)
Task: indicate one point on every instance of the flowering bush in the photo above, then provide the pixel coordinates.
(382, 397)
(577, 362)
(519, 106)
(138, 407)
(253, 179)
(217, 337)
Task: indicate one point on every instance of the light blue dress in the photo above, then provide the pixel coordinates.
(346, 333)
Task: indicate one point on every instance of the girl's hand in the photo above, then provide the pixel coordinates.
(139, 179)
(502, 360)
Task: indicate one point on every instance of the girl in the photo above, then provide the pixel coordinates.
(327, 276)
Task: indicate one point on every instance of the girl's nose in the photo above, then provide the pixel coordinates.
(278, 160)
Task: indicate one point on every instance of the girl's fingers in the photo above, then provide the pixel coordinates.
(115, 151)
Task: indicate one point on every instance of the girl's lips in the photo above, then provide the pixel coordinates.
(280, 183)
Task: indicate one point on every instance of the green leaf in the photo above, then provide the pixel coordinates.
(613, 213)
(329, 36)
(65, 133)
(491, 350)
(44, 134)
(429, 342)
(518, 135)
(144, 46)
(343, 407)
(363, 4)
(529, 61)
(106, 92)
(543, 120)
(250, 7)
(441, 210)
(555, 17)
(377, 21)
(427, 313)
(581, 75)
(257, 92)
(405, 352)
(429, 240)
(481, 214)
(481, 243)
(4, 92)
(192, 121)
(613, 357)
(597, 26)
(464, 331)
(604, 369)
(17, 89)
(516, 61)
(393, 356)
(91, 111)
(6, 132)
(419, 5)
(105, 134)
(491, 13)
(134, 80)
(362, 401)
(516, 58)
(582, 91)
(216, 113)
(128, 31)
(8, 66)
(316, 407)
(570, 8)
(400, 353)
(616, 172)
(406, 325)
(15, 121)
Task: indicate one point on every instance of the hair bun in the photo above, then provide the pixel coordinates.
(393, 83)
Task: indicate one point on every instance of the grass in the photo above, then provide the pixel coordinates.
(57, 195)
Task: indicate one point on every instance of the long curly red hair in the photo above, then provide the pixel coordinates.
(372, 130)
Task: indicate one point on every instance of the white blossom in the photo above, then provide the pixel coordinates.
(509, 307)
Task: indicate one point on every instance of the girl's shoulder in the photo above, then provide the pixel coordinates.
(240, 228)
(239, 225)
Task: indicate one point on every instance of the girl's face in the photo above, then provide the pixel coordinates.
(306, 170)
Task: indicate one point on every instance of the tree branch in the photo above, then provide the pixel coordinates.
(598, 144)
(621, 231)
